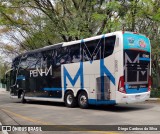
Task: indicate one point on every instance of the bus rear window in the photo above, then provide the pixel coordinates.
(136, 66)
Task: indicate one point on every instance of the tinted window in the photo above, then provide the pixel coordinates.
(15, 62)
(92, 49)
(136, 69)
(23, 64)
(97, 49)
(32, 61)
(46, 59)
(63, 56)
(75, 53)
(109, 44)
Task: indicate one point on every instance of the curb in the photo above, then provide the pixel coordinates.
(154, 99)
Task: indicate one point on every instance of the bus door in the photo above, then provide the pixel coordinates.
(11, 80)
(21, 79)
(16, 80)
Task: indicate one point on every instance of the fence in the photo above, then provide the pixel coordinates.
(2, 85)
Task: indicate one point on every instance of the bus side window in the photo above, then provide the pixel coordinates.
(39, 60)
(63, 56)
(48, 58)
(44, 59)
(31, 61)
(53, 57)
(91, 51)
(109, 45)
(23, 63)
(75, 53)
(16, 63)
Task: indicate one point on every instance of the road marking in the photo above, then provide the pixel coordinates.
(47, 123)
(27, 118)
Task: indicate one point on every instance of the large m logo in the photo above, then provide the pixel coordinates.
(127, 59)
(139, 70)
(74, 80)
(90, 56)
(92, 51)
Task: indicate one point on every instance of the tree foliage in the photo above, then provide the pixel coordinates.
(3, 68)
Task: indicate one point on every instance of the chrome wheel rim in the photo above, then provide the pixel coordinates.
(83, 100)
(22, 95)
(69, 99)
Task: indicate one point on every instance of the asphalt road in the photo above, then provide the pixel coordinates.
(12, 112)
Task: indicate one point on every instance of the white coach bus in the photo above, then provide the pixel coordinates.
(107, 69)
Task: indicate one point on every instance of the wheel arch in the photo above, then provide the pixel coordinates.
(81, 90)
(76, 92)
(67, 90)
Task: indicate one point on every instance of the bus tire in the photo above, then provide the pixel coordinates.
(70, 100)
(83, 100)
(23, 100)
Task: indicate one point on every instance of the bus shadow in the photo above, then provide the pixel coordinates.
(111, 108)
(44, 103)
(122, 108)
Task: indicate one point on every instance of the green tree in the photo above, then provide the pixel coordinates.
(4, 66)
(27, 27)
(76, 19)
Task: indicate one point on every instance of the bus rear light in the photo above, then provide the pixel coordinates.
(121, 87)
(149, 83)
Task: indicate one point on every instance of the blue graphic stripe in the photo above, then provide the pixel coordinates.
(101, 102)
(104, 70)
(20, 77)
(136, 90)
(144, 59)
(52, 89)
(73, 81)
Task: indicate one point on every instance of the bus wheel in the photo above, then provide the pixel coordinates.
(83, 100)
(22, 97)
(69, 99)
